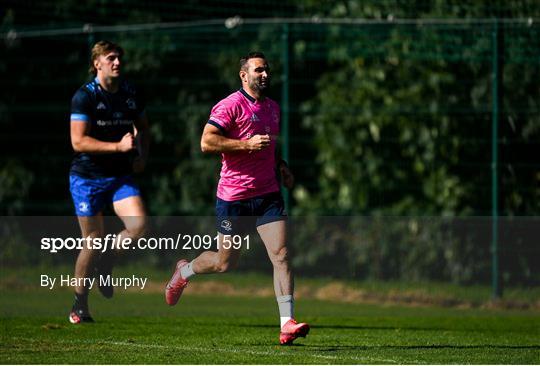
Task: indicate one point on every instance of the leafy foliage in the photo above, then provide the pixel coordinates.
(387, 118)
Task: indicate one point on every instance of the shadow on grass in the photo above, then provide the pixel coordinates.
(326, 348)
(338, 348)
(367, 327)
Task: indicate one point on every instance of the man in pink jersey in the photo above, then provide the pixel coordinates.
(244, 127)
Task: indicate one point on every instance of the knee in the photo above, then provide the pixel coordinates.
(93, 234)
(94, 237)
(280, 257)
(137, 227)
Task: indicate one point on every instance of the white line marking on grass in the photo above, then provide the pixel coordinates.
(370, 360)
(251, 352)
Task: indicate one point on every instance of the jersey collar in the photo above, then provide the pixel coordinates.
(120, 86)
(249, 97)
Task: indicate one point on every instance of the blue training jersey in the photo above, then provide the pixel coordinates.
(111, 116)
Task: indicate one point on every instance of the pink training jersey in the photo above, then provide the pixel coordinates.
(247, 174)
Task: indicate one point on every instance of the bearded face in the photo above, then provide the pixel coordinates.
(258, 75)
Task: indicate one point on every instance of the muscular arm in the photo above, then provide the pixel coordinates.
(81, 142)
(213, 141)
(287, 177)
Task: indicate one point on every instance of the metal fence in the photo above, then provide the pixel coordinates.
(424, 94)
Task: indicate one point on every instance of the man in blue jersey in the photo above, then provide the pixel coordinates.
(110, 137)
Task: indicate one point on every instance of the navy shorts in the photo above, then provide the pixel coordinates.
(91, 195)
(238, 217)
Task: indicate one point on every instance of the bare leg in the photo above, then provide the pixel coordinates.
(216, 262)
(274, 236)
(91, 226)
(132, 213)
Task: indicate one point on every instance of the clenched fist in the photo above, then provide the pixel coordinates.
(127, 143)
(258, 142)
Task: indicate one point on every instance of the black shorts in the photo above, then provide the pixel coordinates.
(238, 217)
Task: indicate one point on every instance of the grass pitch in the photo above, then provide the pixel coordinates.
(139, 328)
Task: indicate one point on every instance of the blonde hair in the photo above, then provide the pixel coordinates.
(102, 48)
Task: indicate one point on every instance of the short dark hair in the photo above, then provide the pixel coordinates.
(244, 59)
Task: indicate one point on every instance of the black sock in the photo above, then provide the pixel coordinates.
(81, 301)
